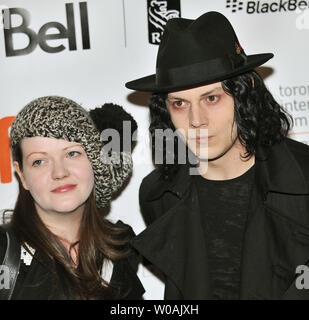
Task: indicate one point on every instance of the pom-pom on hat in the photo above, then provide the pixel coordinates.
(112, 116)
(61, 118)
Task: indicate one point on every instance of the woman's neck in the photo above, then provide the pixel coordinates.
(65, 226)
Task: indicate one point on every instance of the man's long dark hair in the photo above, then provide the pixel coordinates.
(260, 120)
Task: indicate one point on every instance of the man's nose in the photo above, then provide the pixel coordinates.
(198, 116)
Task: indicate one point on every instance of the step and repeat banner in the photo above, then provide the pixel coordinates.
(87, 50)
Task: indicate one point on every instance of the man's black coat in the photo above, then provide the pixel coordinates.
(277, 230)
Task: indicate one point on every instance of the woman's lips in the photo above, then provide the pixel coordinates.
(64, 188)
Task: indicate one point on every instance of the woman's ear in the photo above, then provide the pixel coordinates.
(20, 174)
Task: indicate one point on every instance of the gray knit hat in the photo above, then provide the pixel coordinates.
(62, 118)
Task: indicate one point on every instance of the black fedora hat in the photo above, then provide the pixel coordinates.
(197, 52)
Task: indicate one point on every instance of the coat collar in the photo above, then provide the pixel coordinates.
(276, 167)
(279, 171)
(178, 185)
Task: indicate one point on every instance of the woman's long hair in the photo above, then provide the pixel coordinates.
(260, 120)
(99, 240)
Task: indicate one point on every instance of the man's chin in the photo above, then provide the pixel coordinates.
(206, 156)
(211, 157)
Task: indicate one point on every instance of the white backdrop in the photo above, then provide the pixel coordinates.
(120, 51)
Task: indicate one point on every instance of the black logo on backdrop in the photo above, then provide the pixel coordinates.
(159, 12)
(267, 6)
(43, 37)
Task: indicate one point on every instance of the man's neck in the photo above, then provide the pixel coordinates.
(229, 166)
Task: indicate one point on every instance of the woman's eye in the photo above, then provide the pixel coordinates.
(36, 163)
(73, 154)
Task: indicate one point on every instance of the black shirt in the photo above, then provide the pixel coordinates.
(224, 208)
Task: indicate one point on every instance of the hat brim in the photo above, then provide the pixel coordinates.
(149, 84)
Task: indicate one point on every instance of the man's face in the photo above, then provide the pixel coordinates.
(205, 107)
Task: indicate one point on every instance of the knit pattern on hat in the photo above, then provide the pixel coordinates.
(62, 118)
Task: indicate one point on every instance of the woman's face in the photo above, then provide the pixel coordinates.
(57, 173)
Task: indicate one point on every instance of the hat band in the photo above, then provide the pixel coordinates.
(196, 72)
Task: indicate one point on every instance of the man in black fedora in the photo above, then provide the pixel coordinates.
(239, 228)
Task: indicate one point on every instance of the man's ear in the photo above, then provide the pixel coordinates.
(20, 174)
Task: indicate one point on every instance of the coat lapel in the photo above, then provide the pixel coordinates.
(278, 212)
(175, 243)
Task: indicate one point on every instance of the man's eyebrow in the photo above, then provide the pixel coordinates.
(176, 98)
(202, 95)
(211, 91)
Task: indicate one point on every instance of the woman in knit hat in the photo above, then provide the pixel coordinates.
(59, 244)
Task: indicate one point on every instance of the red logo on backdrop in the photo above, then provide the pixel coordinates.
(5, 157)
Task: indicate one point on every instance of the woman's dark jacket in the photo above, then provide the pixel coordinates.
(276, 238)
(34, 282)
